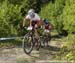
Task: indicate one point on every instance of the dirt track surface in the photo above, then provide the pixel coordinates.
(17, 55)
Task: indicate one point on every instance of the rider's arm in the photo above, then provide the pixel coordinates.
(27, 17)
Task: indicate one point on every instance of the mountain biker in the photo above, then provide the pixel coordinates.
(34, 18)
(47, 25)
(47, 31)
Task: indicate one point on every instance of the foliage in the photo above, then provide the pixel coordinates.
(69, 16)
(53, 12)
(68, 49)
(9, 19)
(12, 13)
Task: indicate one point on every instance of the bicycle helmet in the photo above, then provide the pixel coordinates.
(46, 21)
(31, 12)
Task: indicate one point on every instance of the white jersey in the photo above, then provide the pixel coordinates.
(35, 18)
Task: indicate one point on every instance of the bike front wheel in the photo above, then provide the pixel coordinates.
(27, 43)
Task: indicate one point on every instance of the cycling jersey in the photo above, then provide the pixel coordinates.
(47, 26)
(35, 18)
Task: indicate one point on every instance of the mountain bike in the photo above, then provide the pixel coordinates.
(45, 38)
(29, 40)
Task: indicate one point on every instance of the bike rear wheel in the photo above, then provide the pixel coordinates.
(45, 40)
(27, 43)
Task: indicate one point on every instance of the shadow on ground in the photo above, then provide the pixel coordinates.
(51, 48)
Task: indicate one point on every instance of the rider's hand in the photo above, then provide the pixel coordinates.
(23, 27)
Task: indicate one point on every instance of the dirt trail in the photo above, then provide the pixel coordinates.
(17, 55)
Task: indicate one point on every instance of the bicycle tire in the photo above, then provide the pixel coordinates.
(45, 40)
(26, 44)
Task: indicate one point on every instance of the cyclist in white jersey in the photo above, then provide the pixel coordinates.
(33, 17)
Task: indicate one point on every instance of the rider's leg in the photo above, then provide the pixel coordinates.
(36, 36)
(37, 25)
(30, 23)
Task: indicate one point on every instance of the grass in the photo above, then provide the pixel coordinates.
(22, 61)
(10, 43)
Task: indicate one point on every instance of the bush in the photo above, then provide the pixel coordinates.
(69, 16)
(53, 11)
(10, 18)
(70, 48)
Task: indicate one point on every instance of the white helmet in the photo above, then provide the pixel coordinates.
(31, 12)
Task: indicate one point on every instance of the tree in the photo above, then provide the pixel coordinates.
(10, 18)
(69, 16)
(53, 12)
